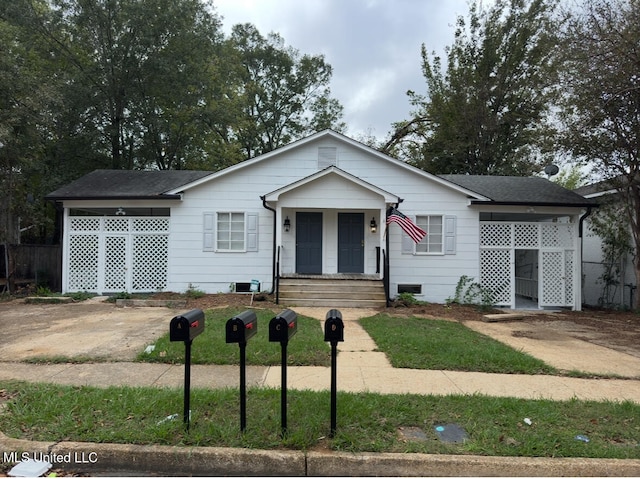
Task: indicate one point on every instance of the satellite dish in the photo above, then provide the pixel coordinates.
(551, 170)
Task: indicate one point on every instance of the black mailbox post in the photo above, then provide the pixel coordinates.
(185, 328)
(281, 329)
(334, 333)
(240, 329)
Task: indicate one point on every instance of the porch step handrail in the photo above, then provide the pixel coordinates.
(276, 285)
(385, 276)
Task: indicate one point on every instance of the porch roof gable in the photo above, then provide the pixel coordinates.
(331, 170)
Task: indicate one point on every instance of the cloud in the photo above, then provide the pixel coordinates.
(372, 45)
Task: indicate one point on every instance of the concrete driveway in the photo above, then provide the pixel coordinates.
(91, 328)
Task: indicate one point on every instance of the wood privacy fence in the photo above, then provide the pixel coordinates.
(26, 265)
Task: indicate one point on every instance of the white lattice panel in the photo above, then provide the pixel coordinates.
(82, 266)
(150, 259)
(553, 278)
(495, 235)
(525, 235)
(557, 235)
(117, 224)
(83, 223)
(150, 225)
(115, 263)
(569, 269)
(495, 274)
(123, 254)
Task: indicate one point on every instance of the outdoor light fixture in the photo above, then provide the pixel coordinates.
(120, 212)
(287, 224)
(373, 225)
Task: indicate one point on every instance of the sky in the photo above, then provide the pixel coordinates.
(373, 47)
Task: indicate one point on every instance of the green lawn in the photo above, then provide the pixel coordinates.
(305, 348)
(366, 421)
(419, 343)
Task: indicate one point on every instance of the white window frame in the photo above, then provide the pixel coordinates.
(212, 231)
(427, 240)
(229, 240)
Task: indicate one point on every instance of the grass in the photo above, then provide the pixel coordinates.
(306, 347)
(366, 421)
(419, 343)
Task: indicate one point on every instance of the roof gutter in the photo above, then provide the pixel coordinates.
(532, 203)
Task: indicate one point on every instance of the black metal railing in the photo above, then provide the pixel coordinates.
(276, 286)
(385, 276)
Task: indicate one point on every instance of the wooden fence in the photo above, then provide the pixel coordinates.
(31, 266)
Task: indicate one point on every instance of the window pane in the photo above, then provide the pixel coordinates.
(230, 231)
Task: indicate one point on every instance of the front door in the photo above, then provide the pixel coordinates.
(350, 242)
(308, 243)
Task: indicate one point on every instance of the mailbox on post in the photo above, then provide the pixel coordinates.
(240, 329)
(184, 328)
(334, 333)
(333, 326)
(187, 326)
(283, 326)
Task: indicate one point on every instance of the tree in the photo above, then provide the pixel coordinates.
(286, 96)
(486, 114)
(142, 74)
(601, 106)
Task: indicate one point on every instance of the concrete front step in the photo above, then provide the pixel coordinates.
(332, 292)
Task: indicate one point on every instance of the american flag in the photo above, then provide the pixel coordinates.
(414, 231)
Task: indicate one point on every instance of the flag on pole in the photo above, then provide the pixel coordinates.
(413, 230)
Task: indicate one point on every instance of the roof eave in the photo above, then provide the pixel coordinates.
(111, 198)
(534, 203)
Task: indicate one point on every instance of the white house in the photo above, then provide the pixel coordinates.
(317, 209)
(604, 283)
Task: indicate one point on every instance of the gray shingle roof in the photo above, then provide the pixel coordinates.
(126, 184)
(519, 190)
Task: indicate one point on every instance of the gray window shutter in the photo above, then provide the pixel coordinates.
(251, 228)
(449, 235)
(209, 230)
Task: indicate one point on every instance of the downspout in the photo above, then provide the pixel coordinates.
(273, 259)
(580, 231)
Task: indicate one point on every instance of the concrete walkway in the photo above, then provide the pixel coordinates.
(360, 368)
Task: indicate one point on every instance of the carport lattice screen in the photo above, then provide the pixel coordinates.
(555, 241)
(115, 254)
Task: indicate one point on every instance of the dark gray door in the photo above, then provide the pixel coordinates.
(309, 243)
(350, 242)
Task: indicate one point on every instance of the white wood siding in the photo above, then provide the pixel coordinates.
(240, 190)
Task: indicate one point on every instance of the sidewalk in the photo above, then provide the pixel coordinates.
(359, 368)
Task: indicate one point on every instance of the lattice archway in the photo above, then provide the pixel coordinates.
(556, 246)
(115, 254)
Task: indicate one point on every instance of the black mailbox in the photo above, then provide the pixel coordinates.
(333, 326)
(187, 326)
(283, 326)
(242, 327)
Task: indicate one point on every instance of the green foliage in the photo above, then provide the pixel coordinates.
(193, 292)
(470, 292)
(616, 247)
(406, 299)
(485, 110)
